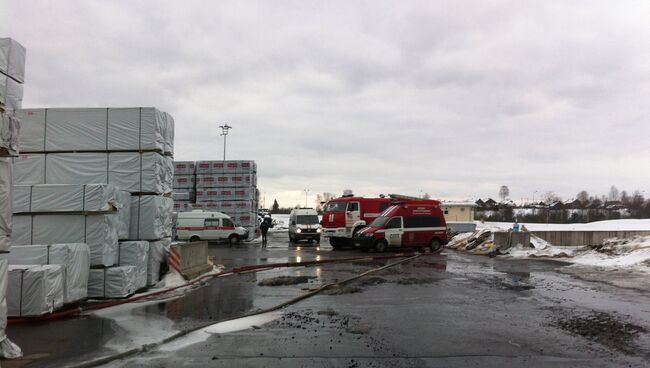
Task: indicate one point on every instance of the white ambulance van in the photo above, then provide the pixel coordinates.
(304, 225)
(211, 226)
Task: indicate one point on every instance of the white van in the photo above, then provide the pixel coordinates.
(199, 225)
(304, 225)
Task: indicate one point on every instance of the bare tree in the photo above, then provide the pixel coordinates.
(583, 197)
(625, 198)
(426, 196)
(613, 194)
(550, 197)
(504, 192)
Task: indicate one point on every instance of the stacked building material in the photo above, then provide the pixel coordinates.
(135, 253)
(12, 77)
(73, 258)
(70, 213)
(12, 73)
(112, 282)
(157, 251)
(5, 204)
(9, 132)
(229, 187)
(184, 194)
(34, 290)
(129, 148)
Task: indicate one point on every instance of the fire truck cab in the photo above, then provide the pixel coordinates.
(409, 225)
(345, 216)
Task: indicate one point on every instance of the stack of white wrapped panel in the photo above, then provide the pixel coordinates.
(157, 251)
(12, 73)
(229, 187)
(9, 133)
(73, 258)
(94, 214)
(135, 253)
(34, 290)
(135, 129)
(184, 185)
(12, 77)
(151, 217)
(5, 204)
(130, 148)
(136, 172)
(112, 282)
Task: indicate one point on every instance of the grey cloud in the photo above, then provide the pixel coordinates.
(452, 98)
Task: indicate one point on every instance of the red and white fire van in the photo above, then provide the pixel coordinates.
(345, 216)
(409, 225)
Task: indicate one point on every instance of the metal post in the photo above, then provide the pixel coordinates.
(306, 192)
(224, 133)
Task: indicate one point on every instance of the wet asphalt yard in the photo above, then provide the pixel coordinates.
(445, 310)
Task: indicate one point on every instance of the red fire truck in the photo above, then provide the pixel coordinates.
(345, 216)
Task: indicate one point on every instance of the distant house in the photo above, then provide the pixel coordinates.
(490, 204)
(459, 211)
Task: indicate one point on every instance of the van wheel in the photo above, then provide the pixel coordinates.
(381, 246)
(233, 240)
(435, 245)
(194, 239)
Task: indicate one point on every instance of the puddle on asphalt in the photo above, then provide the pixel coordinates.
(234, 325)
(243, 323)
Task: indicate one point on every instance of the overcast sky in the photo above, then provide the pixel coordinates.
(453, 98)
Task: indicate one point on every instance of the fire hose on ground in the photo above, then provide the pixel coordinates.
(237, 270)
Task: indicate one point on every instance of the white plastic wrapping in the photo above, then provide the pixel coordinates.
(8, 349)
(65, 198)
(226, 180)
(9, 133)
(123, 214)
(225, 194)
(135, 253)
(113, 282)
(74, 258)
(226, 167)
(157, 251)
(34, 290)
(147, 172)
(151, 217)
(184, 168)
(12, 59)
(5, 204)
(169, 134)
(98, 231)
(11, 92)
(96, 129)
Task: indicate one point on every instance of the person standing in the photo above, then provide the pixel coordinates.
(264, 228)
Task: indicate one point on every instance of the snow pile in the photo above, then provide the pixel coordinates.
(632, 252)
(481, 241)
(617, 253)
(608, 225)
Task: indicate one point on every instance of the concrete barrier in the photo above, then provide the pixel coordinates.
(506, 239)
(461, 226)
(580, 238)
(189, 259)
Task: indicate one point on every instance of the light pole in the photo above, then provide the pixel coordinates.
(224, 133)
(306, 192)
